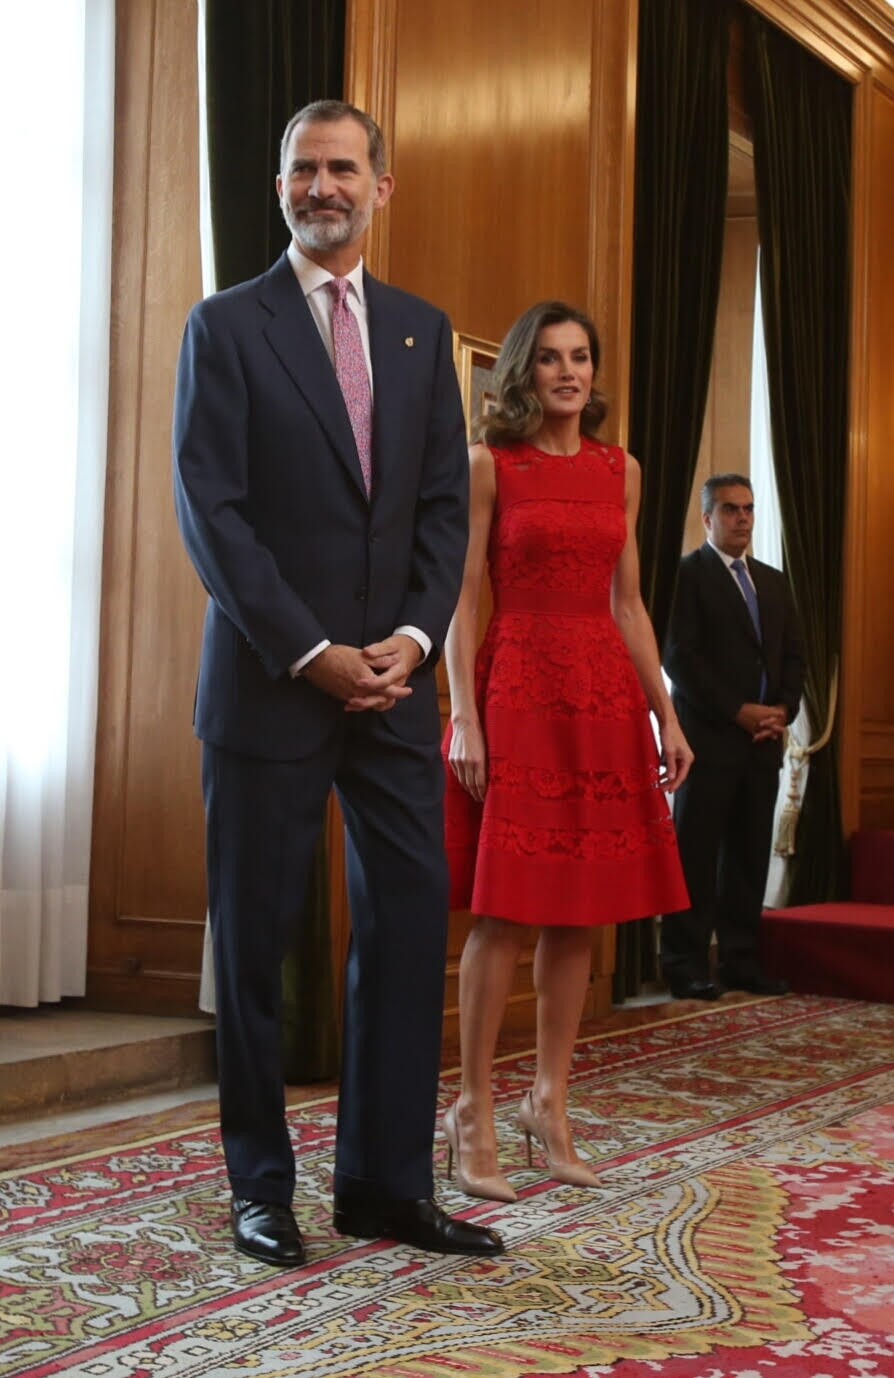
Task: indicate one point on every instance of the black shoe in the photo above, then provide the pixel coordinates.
(694, 990)
(755, 984)
(422, 1223)
(267, 1231)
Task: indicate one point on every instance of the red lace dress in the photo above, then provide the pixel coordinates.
(573, 828)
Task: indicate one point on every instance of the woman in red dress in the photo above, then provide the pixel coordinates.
(555, 808)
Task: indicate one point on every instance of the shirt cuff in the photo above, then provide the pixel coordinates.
(298, 666)
(423, 640)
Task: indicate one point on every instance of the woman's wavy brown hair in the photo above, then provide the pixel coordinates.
(518, 412)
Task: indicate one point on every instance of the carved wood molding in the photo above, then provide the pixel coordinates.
(853, 36)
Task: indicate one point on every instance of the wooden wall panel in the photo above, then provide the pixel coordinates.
(490, 157)
(168, 601)
(511, 136)
(877, 639)
(147, 879)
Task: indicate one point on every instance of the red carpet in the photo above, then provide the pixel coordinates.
(742, 1228)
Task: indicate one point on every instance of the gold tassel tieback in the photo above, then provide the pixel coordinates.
(797, 755)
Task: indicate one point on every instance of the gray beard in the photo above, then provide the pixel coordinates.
(327, 234)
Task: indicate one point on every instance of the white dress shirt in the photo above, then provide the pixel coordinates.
(728, 561)
(313, 279)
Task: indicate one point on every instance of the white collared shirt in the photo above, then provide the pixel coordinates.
(313, 282)
(313, 279)
(728, 561)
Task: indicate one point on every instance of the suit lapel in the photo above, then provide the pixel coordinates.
(768, 604)
(292, 334)
(727, 591)
(386, 341)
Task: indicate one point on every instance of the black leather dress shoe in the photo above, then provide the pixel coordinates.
(694, 990)
(755, 983)
(267, 1231)
(422, 1223)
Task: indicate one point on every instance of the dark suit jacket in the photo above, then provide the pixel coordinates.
(715, 660)
(273, 512)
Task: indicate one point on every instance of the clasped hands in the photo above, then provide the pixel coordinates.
(364, 677)
(762, 721)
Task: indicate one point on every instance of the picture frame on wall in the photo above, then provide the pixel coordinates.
(474, 359)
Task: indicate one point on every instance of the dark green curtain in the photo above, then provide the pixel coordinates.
(801, 111)
(264, 59)
(682, 146)
(682, 153)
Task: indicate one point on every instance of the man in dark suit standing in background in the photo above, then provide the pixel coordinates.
(733, 652)
(321, 478)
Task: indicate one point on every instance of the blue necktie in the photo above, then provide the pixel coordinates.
(751, 600)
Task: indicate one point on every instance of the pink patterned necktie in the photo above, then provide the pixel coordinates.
(352, 374)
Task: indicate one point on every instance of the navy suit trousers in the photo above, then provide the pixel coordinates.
(723, 816)
(263, 820)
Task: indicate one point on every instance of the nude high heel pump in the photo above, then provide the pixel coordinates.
(573, 1174)
(492, 1188)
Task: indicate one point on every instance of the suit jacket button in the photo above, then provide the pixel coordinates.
(360, 595)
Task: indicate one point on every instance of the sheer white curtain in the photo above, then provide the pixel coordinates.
(56, 136)
(767, 546)
(767, 542)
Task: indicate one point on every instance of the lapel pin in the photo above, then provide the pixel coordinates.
(409, 342)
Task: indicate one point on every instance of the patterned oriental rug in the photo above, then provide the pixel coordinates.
(743, 1228)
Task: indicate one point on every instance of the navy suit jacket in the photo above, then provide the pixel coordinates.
(274, 515)
(715, 658)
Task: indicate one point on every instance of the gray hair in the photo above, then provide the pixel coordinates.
(327, 112)
(710, 486)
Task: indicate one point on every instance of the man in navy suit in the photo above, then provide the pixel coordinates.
(320, 475)
(733, 652)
